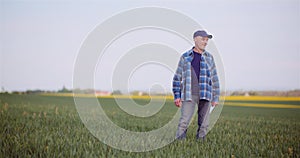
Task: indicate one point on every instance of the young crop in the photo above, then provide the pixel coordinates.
(49, 126)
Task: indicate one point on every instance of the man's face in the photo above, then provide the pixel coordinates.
(201, 42)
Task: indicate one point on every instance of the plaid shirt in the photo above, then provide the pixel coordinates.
(209, 88)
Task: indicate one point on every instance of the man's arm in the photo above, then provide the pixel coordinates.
(177, 82)
(215, 84)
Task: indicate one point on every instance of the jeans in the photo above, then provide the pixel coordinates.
(187, 111)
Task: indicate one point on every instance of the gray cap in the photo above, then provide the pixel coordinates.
(202, 33)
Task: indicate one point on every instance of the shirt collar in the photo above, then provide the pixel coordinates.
(192, 51)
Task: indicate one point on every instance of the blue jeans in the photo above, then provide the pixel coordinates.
(187, 111)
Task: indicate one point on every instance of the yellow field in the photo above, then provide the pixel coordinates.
(261, 98)
(109, 96)
(228, 99)
(263, 105)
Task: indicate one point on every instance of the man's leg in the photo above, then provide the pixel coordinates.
(187, 111)
(203, 118)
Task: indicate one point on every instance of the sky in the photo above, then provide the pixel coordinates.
(258, 42)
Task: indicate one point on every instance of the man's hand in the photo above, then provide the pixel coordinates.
(178, 102)
(214, 104)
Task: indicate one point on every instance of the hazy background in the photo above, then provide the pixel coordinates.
(259, 41)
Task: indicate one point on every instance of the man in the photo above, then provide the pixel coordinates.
(196, 83)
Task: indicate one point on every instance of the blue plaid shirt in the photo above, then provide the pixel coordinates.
(209, 87)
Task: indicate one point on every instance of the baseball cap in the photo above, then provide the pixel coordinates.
(202, 33)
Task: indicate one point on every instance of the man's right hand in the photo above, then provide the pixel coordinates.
(178, 102)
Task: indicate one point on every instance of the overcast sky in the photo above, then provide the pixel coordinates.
(259, 41)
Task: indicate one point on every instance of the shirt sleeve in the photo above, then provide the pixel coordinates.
(177, 79)
(215, 83)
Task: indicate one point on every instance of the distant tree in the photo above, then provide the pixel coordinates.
(34, 91)
(16, 92)
(237, 93)
(135, 93)
(64, 90)
(144, 94)
(253, 93)
(234, 93)
(116, 92)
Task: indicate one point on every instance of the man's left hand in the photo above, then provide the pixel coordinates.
(214, 104)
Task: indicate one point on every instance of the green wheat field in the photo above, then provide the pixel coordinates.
(49, 126)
